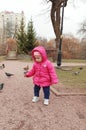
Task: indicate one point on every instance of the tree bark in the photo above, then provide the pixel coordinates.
(55, 18)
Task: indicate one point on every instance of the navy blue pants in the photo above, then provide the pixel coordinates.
(46, 91)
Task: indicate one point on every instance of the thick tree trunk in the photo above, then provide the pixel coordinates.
(55, 18)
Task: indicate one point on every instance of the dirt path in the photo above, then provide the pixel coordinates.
(17, 112)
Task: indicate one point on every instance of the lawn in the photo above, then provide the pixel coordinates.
(2, 58)
(73, 77)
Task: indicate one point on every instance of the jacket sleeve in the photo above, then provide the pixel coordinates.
(52, 73)
(30, 72)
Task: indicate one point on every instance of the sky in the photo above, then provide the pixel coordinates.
(39, 11)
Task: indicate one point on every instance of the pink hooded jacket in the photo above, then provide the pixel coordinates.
(43, 72)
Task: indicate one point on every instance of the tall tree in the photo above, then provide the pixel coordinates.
(21, 37)
(31, 36)
(55, 17)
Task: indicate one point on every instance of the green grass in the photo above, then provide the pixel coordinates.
(2, 58)
(69, 79)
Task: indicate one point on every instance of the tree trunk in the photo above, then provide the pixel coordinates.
(55, 18)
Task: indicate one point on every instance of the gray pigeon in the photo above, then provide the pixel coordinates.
(76, 73)
(8, 74)
(2, 66)
(81, 68)
(1, 86)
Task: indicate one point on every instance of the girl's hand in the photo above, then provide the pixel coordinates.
(25, 74)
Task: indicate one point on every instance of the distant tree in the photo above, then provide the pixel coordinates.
(82, 32)
(31, 36)
(83, 49)
(70, 48)
(21, 37)
(51, 44)
(82, 29)
(42, 41)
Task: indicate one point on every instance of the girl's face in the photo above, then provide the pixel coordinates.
(38, 58)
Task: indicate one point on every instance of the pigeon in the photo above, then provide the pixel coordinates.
(80, 68)
(76, 73)
(8, 74)
(26, 68)
(1, 86)
(2, 66)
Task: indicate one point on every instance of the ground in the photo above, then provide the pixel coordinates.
(17, 112)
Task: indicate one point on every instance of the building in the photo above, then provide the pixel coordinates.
(9, 24)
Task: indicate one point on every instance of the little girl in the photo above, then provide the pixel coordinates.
(43, 73)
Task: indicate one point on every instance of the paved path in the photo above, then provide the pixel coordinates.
(71, 64)
(17, 112)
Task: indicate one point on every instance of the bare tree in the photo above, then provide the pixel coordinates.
(55, 17)
(82, 29)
